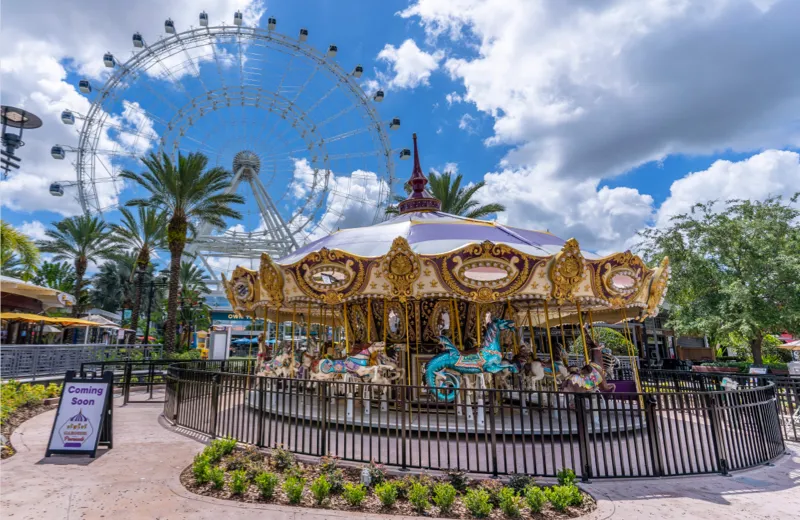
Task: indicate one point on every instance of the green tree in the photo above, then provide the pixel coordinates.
(192, 279)
(735, 269)
(112, 286)
(611, 338)
(19, 255)
(142, 235)
(455, 199)
(78, 239)
(191, 195)
(56, 275)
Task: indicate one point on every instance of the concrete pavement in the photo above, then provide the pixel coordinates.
(139, 479)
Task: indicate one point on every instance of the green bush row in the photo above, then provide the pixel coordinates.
(15, 395)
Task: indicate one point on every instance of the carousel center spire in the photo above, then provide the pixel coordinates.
(419, 199)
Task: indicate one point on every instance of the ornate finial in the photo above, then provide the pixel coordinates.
(419, 200)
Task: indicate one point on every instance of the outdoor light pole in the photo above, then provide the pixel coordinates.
(150, 297)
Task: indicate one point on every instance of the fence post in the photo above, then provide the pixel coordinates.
(583, 438)
(177, 399)
(650, 407)
(712, 405)
(126, 383)
(260, 434)
(325, 401)
(152, 376)
(35, 362)
(493, 434)
(215, 382)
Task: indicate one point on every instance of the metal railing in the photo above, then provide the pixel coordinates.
(32, 362)
(488, 431)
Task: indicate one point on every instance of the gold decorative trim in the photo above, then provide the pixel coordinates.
(401, 266)
(271, 277)
(566, 271)
(658, 288)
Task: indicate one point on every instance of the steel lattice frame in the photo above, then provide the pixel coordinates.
(249, 95)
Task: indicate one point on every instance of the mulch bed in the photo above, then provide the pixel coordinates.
(16, 418)
(371, 503)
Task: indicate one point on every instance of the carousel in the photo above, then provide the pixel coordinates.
(428, 311)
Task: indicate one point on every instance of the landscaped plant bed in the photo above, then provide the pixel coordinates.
(719, 370)
(223, 470)
(17, 417)
(20, 402)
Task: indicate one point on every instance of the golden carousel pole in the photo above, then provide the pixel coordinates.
(550, 344)
(632, 352)
(591, 325)
(385, 320)
(514, 336)
(534, 348)
(346, 338)
(369, 321)
(294, 321)
(583, 334)
(408, 344)
(561, 326)
(478, 337)
(458, 327)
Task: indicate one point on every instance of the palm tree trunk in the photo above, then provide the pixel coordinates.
(137, 302)
(80, 270)
(176, 237)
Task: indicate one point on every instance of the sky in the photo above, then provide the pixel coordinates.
(592, 119)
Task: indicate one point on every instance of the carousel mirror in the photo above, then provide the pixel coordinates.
(443, 322)
(485, 274)
(328, 277)
(396, 322)
(622, 282)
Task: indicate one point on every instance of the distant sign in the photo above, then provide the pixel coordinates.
(126, 314)
(65, 299)
(758, 371)
(83, 416)
(227, 316)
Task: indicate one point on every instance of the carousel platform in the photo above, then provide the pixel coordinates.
(510, 418)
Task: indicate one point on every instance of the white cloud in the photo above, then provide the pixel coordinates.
(468, 124)
(453, 97)
(587, 91)
(411, 66)
(33, 229)
(769, 173)
(302, 178)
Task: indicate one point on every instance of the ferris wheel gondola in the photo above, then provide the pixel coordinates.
(307, 120)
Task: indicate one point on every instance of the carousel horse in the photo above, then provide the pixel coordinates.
(591, 377)
(360, 365)
(488, 359)
(278, 366)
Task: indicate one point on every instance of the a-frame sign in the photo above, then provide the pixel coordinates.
(84, 419)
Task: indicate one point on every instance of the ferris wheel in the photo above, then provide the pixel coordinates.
(306, 145)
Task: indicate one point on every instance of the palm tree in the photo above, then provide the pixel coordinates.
(455, 199)
(18, 253)
(191, 278)
(56, 275)
(142, 236)
(78, 239)
(190, 194)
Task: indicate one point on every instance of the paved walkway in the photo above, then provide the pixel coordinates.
(139, 479)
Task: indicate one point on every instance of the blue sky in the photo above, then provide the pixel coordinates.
(589, 119)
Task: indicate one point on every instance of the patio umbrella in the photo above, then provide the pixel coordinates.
(792, 345)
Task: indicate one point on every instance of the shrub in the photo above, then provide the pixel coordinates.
(444, 495)
(377, 473)
(53, 390)
(282, 458)
(566, 477)
(328, 464)
(336, 479)
(320, 489)
(458, 479)
(200, 468)
(492, 487)
(239, 483)
(354, 494)
(387, 493)
(535, 498)
(266, 483)
(560, 497)
(510, 502)
(217, 477)
(575, 495)
(519, 482)
(220, 448)
(418, 496)
(293, 487)
(477, 503)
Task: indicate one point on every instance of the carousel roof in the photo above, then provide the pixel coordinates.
(432, 233)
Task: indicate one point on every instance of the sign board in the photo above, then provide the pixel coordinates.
(758, 371)
(84, 417)
(228, 316)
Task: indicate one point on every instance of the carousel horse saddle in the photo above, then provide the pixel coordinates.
(470, 361)
(337, 366)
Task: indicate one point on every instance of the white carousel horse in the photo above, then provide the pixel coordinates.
(277, 366)
(355, 366)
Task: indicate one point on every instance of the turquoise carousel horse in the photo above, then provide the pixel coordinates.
(439, 372)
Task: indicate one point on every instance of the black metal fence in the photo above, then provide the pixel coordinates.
(787, 390)
(489, 431)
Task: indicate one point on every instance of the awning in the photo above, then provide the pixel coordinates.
(50, 298)
(35, 318)
(793, 345)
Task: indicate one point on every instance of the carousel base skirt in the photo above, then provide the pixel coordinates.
(509, 418)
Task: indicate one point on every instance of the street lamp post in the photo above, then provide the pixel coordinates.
(150, 297)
